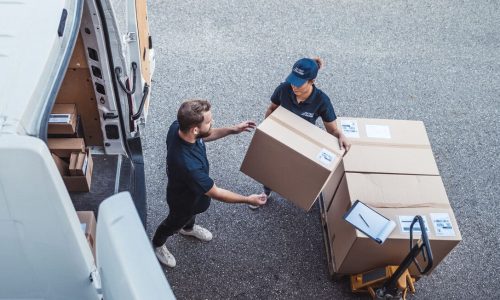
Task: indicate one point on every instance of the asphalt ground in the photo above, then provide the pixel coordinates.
(435, 61)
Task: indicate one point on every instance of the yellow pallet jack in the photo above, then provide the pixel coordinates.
(393, 282)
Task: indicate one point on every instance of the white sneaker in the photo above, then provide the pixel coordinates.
(165, 257)
(199, 233)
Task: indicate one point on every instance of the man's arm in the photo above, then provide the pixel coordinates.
(271, 108)
(331, 128)
(230, 197)
(217, 133)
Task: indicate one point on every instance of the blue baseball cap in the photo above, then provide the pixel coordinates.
(303, 70)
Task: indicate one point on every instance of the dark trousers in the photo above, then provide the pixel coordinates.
(174, 222)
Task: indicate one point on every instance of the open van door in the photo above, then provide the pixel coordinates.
(44, 253)
(127, 265)
(133, 74)
(140, 50)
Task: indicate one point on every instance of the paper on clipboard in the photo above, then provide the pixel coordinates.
(370, 222)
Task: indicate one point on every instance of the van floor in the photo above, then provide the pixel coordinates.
(103, 182)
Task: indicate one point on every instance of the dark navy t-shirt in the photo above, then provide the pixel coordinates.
(188, 173)
(317, 105)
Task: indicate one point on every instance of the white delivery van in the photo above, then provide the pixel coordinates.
(75, 80)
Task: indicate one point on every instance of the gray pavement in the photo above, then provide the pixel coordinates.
(435, 61)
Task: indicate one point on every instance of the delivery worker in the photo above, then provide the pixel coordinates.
(190, 187)
(300, 95)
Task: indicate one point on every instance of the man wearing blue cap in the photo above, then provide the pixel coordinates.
(299, 95)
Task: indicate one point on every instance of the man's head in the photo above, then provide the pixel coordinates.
(195, 117)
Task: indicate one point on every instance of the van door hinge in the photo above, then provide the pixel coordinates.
(130, 37)
(95, 279)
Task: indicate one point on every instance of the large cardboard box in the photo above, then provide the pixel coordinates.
(399, 198)
(63, 147)
(388, 146)
(293, 157)
(62, 119)
(88, 223)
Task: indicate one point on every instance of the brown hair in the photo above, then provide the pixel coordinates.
(190, 113)
(319, 62)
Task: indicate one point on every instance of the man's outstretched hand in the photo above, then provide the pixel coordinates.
(244, 126)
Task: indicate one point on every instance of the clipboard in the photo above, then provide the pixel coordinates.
(370, 222)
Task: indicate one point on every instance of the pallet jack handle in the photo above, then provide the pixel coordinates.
(422, 245)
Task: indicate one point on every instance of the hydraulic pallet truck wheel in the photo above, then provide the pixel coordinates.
(393, 282)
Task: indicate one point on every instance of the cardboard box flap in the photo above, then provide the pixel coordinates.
(384, 132)
(390, 160)
(313, 143)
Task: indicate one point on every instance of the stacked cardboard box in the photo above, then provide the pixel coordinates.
(63, 120)
(390, 167)
(72, 159)
(77, 172)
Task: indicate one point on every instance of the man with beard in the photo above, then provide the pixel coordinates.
(190, 187)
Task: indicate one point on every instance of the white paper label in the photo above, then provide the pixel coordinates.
(378, 131)
(350, 128)
(84, 167)
(60, 118)
(442, 224)
(326, 157)
(405, 223)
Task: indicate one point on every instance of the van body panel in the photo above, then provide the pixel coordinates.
(33, 60)
(43, 246)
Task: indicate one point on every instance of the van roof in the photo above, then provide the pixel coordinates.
(32, 57)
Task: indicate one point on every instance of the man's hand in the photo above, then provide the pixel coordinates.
(344, 143)
(244, 126)
(257, 200)
(218, 133)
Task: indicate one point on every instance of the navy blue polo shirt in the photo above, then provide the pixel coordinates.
(316, 105)
(188, 174)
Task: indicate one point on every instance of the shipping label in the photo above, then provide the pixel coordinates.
(326, 157)
(350, 128)
(85, 163)
(442, 224)
(378, 131)
(405, 223)
(60, 118)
